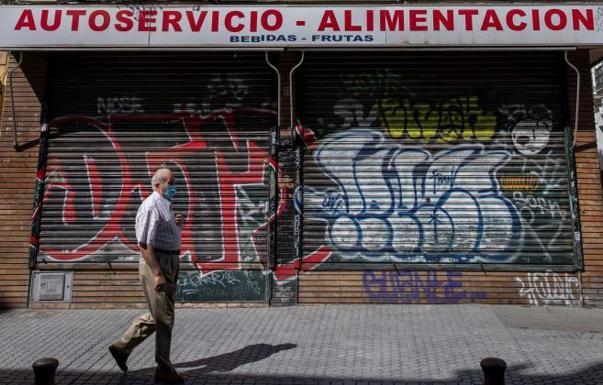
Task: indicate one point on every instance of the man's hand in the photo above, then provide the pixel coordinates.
(160, 281)
(179, 219)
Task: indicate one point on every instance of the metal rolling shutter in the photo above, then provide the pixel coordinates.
(449, 157)
(117, 117)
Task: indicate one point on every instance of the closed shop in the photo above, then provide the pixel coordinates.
(115, 119)
(439, 157)
(433, 161)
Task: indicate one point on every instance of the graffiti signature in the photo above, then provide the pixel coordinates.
(404, 204)
(95, 193)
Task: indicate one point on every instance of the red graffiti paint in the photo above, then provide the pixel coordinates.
(96, 185)
(56, 177)
(116, 222)
(134, 189)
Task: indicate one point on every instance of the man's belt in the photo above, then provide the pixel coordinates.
(169, 252)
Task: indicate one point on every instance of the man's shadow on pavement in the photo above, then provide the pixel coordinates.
(229, 361)
(221, 363)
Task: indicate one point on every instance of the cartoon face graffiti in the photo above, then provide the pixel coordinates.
(530, 136)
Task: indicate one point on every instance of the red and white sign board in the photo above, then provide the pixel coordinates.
(280, 26)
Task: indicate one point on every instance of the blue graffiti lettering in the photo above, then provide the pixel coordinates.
(395, 203)
(413, 287)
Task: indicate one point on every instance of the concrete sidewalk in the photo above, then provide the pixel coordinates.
(365, 344)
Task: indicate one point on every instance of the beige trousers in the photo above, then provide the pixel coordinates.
(160, 318)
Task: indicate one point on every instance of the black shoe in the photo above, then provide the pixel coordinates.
(168, 376)
(120, 357)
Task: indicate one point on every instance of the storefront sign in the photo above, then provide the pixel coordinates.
(299, 26)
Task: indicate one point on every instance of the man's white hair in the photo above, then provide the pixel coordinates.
(159, 176)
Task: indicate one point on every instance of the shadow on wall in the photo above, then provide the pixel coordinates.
(213, 370)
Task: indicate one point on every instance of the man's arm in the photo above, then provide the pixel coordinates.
(148, 254)
(146, 230)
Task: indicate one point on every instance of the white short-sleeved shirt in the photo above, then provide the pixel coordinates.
(156, 224)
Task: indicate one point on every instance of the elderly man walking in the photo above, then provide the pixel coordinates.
(158, 236)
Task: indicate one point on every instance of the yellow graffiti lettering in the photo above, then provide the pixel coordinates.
(482, 124)
(424, 123)
(451, 126)
(452, 120)
(393, 115)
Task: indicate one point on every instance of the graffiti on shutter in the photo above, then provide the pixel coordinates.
(100, 166)
(465, 178)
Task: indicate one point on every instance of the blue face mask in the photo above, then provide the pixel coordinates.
(170, 192)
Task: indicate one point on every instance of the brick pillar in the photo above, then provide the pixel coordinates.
(588, 180)
(18, 176)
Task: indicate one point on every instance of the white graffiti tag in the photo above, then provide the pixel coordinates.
(404, 204)
(550, 288)
(121, 105)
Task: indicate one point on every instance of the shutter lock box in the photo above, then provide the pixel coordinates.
(52, 286)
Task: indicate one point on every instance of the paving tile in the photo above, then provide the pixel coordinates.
(304, 345)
